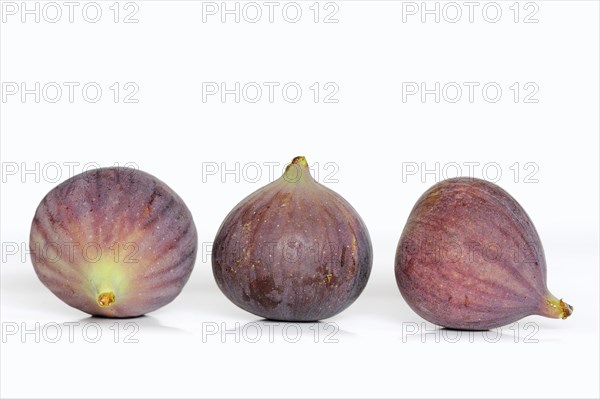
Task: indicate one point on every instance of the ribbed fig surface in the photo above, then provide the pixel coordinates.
(114, 242)
(294, 250)
(470, 258)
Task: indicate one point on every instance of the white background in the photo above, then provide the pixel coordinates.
(370, 136)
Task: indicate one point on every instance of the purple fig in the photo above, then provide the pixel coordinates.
(113, 242)
(470, 258)
(293, 250)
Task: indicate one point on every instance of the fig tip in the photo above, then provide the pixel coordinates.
(297, 170)
(557, 308)
(567, 310)
(299, 160)
(106, 299)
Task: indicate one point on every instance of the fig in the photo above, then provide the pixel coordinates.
(470, 258)
(294, 250)
(113, 242)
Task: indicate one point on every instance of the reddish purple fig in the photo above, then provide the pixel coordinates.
(470, 258)
(113, 242)
(294, 250)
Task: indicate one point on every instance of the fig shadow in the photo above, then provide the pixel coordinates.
(144, 322)
(325, 327)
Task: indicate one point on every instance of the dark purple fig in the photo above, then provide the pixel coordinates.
(114, 242)
(470, 258)
(293, 250)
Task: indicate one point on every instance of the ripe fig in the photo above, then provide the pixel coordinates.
(294, 250)
(113, 242)
(470, 258)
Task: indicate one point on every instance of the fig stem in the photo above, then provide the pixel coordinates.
(557, 308)
(300, 160)
(106, 299)
(297, 170)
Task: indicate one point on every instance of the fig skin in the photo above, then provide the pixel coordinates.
(113, 242)
(470, 258)
(294, 250)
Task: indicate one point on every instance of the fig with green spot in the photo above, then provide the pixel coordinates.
(113, 242)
